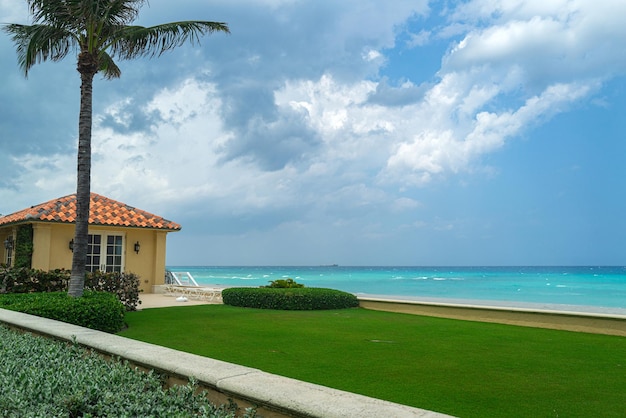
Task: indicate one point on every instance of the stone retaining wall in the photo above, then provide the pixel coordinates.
(570, 321)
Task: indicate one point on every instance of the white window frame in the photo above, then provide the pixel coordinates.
(112, 252)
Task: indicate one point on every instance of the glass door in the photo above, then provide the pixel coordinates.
(114, 253)
(8, 250)
(105, 253)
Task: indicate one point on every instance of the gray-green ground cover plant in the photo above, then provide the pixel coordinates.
(40, 377)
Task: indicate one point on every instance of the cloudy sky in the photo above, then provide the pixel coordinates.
(358, 132)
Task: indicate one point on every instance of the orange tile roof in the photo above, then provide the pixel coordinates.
(102, 211)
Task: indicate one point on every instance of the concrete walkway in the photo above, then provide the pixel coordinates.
(159, 300)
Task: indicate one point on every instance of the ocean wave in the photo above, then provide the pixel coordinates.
(402, 278)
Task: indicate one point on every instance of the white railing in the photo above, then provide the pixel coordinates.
(181, 278)
(182, 283)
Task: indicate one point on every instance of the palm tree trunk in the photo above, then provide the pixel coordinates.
(87, 69)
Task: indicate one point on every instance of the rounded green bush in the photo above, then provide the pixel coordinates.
(96, 310)
(296, 299)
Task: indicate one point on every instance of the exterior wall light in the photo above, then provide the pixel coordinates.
(137, 247)
(72, 245)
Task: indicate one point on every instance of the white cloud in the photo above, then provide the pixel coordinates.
(372, 55)
(436, 151)
(551, 41)
(37, 179)
(173, 155)
(513, 9)
(402, 204)
(419, 39)
(378, 20)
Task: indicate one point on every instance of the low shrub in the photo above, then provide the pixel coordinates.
(124, 285)
(297, 299)
(45, 378)
(25, 280)
(288, 283)
(96, 310)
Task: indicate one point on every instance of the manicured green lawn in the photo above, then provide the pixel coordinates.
(462, 368)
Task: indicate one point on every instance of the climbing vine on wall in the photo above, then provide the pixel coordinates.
(24, 246)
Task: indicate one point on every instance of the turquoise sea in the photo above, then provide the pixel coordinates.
(587, 288)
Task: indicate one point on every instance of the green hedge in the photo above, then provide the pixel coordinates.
(96, 310)
(24, 280)
(297, 299)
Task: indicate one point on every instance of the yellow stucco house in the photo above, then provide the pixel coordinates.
(121, 238)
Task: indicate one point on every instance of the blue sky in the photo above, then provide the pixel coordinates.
(356, 132)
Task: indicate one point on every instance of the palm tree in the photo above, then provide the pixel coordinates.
(98, 31)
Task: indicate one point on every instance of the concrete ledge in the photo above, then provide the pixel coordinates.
(274, 396)
(609, 324)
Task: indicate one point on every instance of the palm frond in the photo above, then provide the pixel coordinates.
(122, 12)
(108, 67)
(38, 43)
(49, 12)
(75, 12)
(135, 41)
(101, 28)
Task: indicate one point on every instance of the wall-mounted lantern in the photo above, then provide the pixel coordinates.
(137, 247)
(72, 245)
